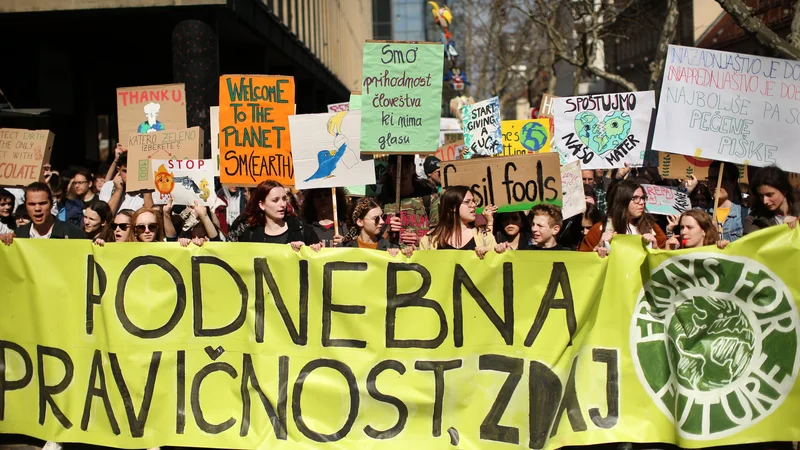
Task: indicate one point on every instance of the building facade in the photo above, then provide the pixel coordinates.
(68, 57)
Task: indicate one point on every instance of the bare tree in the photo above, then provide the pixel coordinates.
(667, 36)
(744, 16)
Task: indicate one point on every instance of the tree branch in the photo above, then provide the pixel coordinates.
(667, 37)
(755, 27)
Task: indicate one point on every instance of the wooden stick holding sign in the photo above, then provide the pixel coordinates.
(514, 183)
(335, 213)
(716, 196)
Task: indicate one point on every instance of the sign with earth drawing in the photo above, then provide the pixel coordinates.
(603, 131)
(521, 137)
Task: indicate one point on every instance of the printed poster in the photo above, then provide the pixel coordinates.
(254, 141)
(23, 154)
(665, 200)
(183, 181)
(401, 97)
(521, 137)
(574, 202)
(147, 109)
(603, 131)
(729, 107)
(326, 151)
(482, 130)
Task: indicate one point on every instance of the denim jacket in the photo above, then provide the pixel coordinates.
(733, 227)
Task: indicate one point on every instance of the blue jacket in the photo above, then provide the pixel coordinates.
(733, 227)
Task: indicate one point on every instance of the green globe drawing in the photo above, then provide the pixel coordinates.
(533, 137)
(710, 343)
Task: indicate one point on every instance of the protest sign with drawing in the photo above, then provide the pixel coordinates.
(482, 129)
(176, 144)
(254, 141)
(665, 200)
(603, 131)
(184, 181)
(23, 154)
(450, 152)
(521, 137)
(146, 109)
(339, 107)
(214, 126)
(326, 151)
(401, 97)
(512, 183)
(729, 107)
(574, 200)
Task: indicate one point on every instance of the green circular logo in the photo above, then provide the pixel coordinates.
(714, 340)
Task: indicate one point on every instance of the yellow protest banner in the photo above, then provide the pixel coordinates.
(256, 346)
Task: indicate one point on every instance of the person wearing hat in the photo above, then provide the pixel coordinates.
(432, 166)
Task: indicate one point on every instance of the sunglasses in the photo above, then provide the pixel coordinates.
(378, 219)
(151, 227)
(121, 226)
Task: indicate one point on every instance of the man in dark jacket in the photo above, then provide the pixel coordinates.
(44, 225)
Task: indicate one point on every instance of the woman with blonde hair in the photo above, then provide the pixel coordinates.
(697, 230)
(456, 229)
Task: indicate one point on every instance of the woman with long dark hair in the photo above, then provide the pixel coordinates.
(626, 215)
(456, 229)
(514, 231)
(267, 222)
(318, 213)
(97, 218)
(773, 200)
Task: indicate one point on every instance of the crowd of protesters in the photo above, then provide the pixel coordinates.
(79, 204)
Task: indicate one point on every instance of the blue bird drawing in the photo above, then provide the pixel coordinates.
(328, 159)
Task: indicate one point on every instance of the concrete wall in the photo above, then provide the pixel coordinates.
(705, 13)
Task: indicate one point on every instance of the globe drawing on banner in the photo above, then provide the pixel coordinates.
(533, 137)
(714, 340)
(604, 135)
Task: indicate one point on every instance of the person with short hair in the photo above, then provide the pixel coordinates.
(7, 222)
(114, 193)
(546, 222)
(773, 200)
(80, 187)
(21, 216)
(432, 166)
(44, 225)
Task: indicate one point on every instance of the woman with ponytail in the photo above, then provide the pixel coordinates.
(365, 227)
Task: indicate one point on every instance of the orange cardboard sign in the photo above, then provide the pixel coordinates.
(254, 142)
(147, 109)
(22, 155)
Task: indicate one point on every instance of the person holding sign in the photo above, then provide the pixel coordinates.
(266, 220)
(697, 230)
(456, 228)
(318, 213)
(730, 214)
(773, 200)
(196, 225)
(417, 199)
(626, 216)
(365, 227)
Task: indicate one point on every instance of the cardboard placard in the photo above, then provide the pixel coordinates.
(482, 132)
(603, 131)
(326, 151)
(450, 138)
(176, 144)
(680, 167)
(730, 107)
(574, 200)
(521, 137)
(184, 181)
(339, 107)
(147, 109)
(665, 200)
(214, 120)
(254, 141)
(450, 152)
(401, 97)
(23, 153)
(514, 183)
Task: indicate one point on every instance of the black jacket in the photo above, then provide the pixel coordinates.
(298, 231)
(61, 230)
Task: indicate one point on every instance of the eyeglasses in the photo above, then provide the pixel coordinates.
(639, 199)
(121, 226)
(151, 227)
(469, 202)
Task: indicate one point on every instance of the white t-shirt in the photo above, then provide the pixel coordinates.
(35, 235)
(132, 202)
(4, 228)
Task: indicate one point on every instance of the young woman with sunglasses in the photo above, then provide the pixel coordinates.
(456, 228)
(267, 220)
(120, 228)
(366, 225)
(147, 226)
(514, 231)
(626, 216)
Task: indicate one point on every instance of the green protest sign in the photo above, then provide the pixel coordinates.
(401, 97)
(355, 101)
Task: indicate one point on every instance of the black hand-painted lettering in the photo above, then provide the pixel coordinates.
(328, 307)
(544, 393)
(352, 386)
(611, 359)
(180, 303)
(262, 271)
(93, 299)
(136, 421)
(46, 392)
(506, 327)
(395, 301)
(180, 407)
(5, 384)
(438, 368)
(491, 429)
(558, 277)
(570, 404)
(194, 398)
(197, 297)
(96, 375)
(276, 418)
(402, 409)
